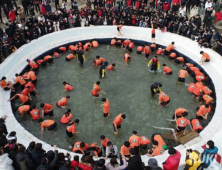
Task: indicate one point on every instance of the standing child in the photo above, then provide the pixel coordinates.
(153, 35)
(119, 29)
(106, 107)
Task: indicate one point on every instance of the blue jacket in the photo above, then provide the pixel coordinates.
(208, 155)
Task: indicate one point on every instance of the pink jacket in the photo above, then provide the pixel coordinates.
(172, 162)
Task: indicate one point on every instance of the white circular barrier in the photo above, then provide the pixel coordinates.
(16, 62)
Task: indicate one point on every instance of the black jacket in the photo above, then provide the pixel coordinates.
(2, 125)
(135, 163)
(24, 161)
(63, 168)
(43, 167)
(37, 155)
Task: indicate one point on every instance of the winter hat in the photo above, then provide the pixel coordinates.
(152, 163)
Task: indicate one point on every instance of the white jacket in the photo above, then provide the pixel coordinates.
(56, 26)
(5, 162)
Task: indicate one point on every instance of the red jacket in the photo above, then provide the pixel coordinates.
(43, 9)
(177, 2)
(137, 5)
(172, 162)
(85, 167)
(12, 15)
(218, 16)
(166, 7)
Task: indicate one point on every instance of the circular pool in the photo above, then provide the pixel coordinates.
(16, 62)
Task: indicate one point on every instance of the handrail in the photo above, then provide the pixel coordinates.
(163, 128)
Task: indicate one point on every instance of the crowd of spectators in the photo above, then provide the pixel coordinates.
(34, 18)
(34, 157)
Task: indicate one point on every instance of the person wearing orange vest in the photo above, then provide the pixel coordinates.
(19, 81)
(169, 49)
(205, 57)
(167, 70)
(70, 57)
(67, 87)
(203, 111)
(153, 35)
(42, 62)
(96, 150)
(198, 89)
(118, 42)
(119, 29)
(31, 76)
(96, 89)
(106, 107)
(153, 47)
(125, 43)
(117, 122)
(48, 58)
(182, 74)
(71, 47)
(34, 66)
(193, 69)
(196, 126)
(156, 150)
(67, 116)
(178, 113)
(25, 92)
(206, 90)
(63, 102)
(32, 89)
(164, 99)
(127, 58)
(62, 49)
(199, 78)
(160, 51)
(144, 142)
(191, 87)
(124, 150)
(25, 100)
(157, 137)
(35, 113)
(49, 124)
(104, 141)
(24, 109)
(6, 85)
(134, 141)
(80, 147)
(55, 54)
(101, 59)
(172, 55)
(208, 99)
(130, 46)
(95, 44)
(139, 49)
(179, 60)
(97, 62)
(146, 51)
(86, 47)
(47, 109)
(197, 73)
(25, 76)
(111, 67)
(182, 123)
(71, 128)
(113, 41)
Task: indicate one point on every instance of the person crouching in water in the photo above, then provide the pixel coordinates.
(154, 62)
